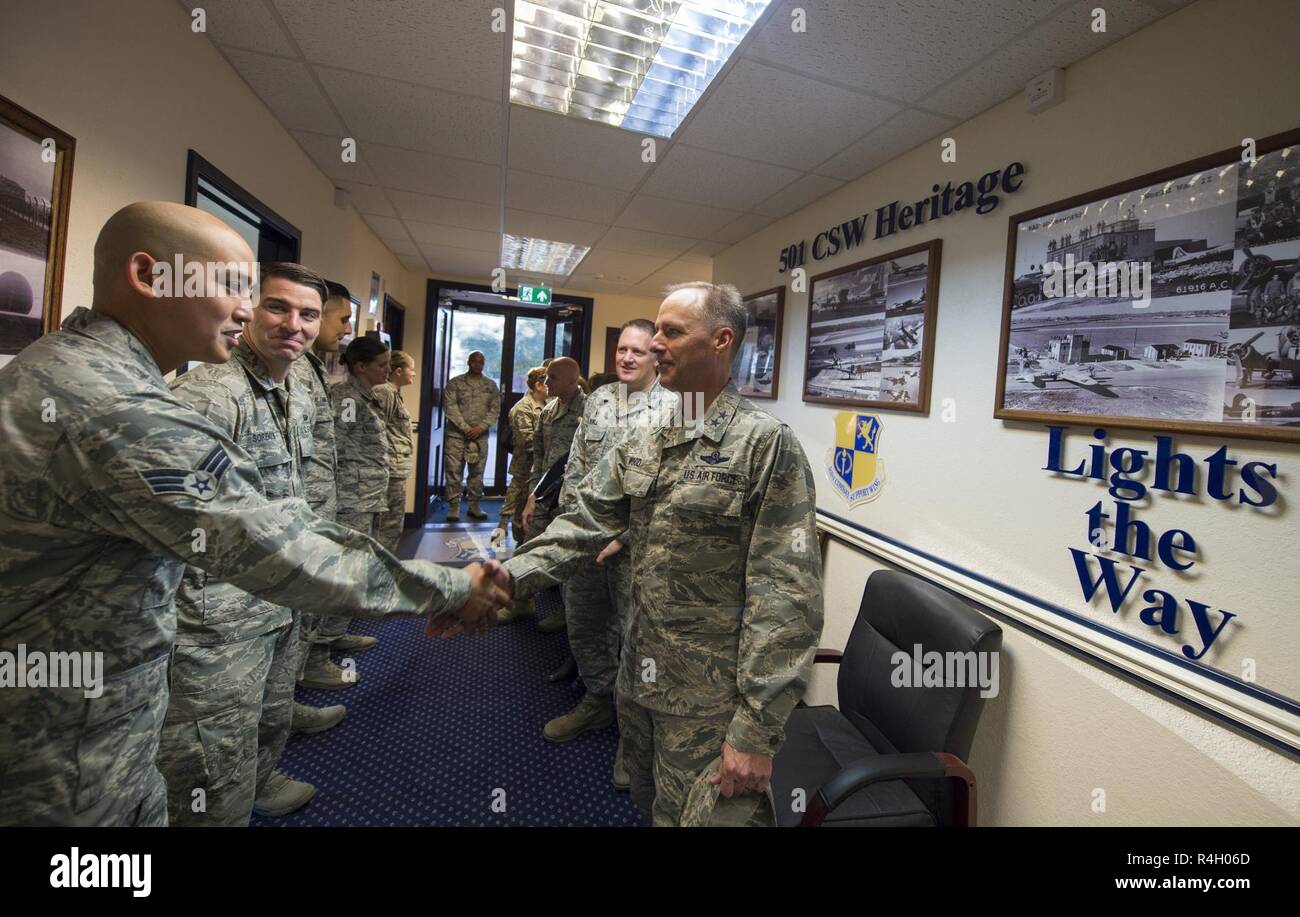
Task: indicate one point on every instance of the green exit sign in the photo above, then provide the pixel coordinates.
(540, 296)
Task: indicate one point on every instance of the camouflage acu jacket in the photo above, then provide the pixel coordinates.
(401, 438)
(470, 401)
(322, 490)
(361, 438)
(554, 434)
(726, 572)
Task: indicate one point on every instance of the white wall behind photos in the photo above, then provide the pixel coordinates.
(972, 492)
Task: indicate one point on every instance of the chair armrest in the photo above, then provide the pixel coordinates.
(826, 654)
(866, 771)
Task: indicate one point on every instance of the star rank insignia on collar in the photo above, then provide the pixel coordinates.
(716, 458)
(200, 483)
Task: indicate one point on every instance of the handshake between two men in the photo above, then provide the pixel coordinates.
(491, 589)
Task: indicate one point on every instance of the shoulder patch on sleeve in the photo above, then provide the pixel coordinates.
(200, 483)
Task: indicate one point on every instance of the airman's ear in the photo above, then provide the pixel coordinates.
(151, 278)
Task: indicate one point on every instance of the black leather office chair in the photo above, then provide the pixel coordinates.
(889, 756)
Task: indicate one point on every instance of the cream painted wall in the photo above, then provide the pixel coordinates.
(972, 491)
(137, 89)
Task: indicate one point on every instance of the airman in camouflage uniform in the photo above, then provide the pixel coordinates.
(401, 447)
(236, 658)
(361, 476)
(108, 483)
(472, 403)
(552, 438)
(597, 599)
(523, 423)
(725, 570)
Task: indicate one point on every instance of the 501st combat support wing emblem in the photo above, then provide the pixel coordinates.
(200, 483)
(854, 465)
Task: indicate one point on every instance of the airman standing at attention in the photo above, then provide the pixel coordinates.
(472, 403)
(401, 445)
(523, 424)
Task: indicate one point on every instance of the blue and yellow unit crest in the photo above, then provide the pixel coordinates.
(854, 465)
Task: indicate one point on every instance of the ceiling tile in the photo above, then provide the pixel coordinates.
(676, 272)
(742, 228)
(706, 177)
(413, 263)
(367, 198)
(1057, 42)
(554, 229)
(586, 283)
(580, 150)
(416, 117)
(708, 249)
(900, 49)
(327, 152)
(430, 236)
(448, 45)
(447, 211)
(286, 87)
(244, 24)
(797, 195)
(402, 247)
(780, 117)
(428, 174)
(902, 133)
(461, 262)
(657, 214)
(387, 227)
(561, 197)
(622, 239)
(621, 267)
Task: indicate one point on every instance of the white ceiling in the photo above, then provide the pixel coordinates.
(443, 166)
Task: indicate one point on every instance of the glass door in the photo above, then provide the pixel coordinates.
(484, 331)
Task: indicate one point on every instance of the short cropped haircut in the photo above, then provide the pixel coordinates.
(338, 291)
(641, 324)
(720, 307)
(296, 273)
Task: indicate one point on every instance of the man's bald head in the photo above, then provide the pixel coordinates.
(562, 377)
(194, 316)
(162, 230)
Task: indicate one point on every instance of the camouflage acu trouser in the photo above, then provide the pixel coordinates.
(597, 603)
(390, 523)
(453, 465)
(329, 628)
(516, 498)
(666, 756)
(228, 719)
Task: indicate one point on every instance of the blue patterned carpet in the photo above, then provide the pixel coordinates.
(436, 727)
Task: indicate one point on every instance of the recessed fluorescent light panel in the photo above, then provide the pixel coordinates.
(541, 256)
(636, 64)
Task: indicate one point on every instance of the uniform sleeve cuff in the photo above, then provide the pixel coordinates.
(746, 734)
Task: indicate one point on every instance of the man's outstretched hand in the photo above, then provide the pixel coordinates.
(480, 610)
(501, 578)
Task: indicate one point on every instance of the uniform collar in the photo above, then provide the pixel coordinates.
(715, 422)
(254, 366)
(114, 335)
(367, 393)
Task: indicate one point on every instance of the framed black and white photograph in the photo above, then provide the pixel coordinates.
(1170, 301)
(757, 366)
(871, 331)
(35, 184)
(376, 284)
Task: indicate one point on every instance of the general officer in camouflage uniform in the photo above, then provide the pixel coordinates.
(551, 441)
(726, 574)
(472, 403)
(401, 446)
(598, 597)
(110, 485)
(322, 495)
(236, 657)
(361, 475)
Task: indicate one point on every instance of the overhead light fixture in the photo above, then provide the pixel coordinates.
(520, 253)
(636, 64)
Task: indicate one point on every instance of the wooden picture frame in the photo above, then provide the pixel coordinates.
(35, 194)
(843, 359)
(757, 370)
(1213, 245)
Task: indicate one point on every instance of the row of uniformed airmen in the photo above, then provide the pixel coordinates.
(110, 496)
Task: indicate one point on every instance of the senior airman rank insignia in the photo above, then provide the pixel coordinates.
(854, 465)
(200, 483)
